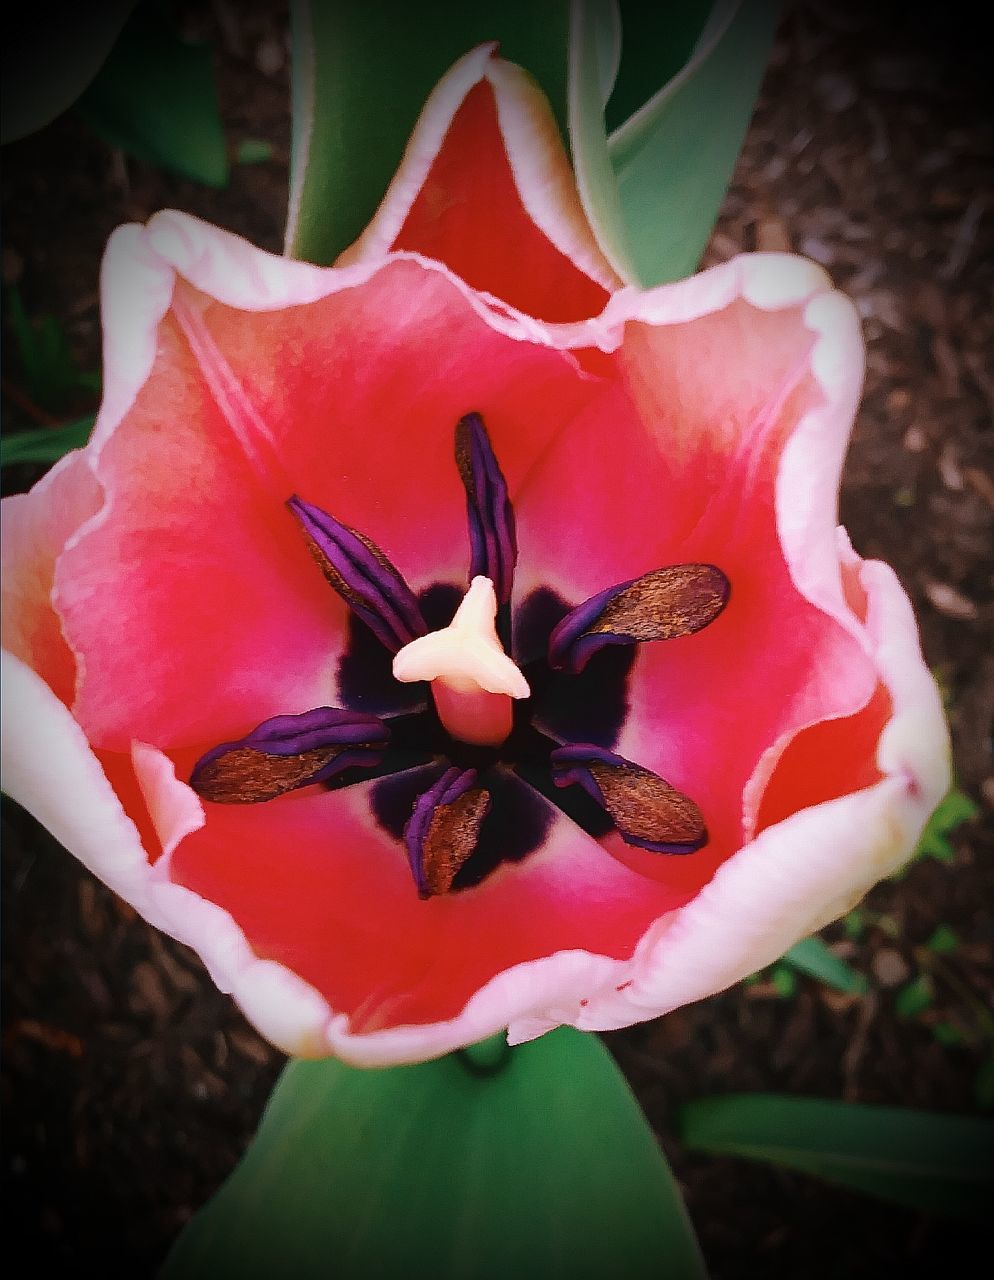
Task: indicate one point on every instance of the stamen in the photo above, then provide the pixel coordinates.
(675, 601)
(493, 543)
(648, 812)
(287, 752)
(443, 829)
(472, 678)
(362, 575)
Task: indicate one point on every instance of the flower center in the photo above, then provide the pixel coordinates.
(473, 681)
(475, 781)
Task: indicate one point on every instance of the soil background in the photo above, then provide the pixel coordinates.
(131, 1086)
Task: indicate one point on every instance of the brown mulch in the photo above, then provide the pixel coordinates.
(130, 1086)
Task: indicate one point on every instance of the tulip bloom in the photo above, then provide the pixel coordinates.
(457, 639)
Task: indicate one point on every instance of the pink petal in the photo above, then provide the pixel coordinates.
(228, 407)
(318, 886)
(485, 187)
(50, 769)
(811, 868)
(35, 528)
(738, 391)
(705, 379)
(794, 878)
(235, 378)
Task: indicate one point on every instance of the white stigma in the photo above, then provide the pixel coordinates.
(472, 677)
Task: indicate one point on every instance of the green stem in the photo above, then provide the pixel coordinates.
(486, 1057)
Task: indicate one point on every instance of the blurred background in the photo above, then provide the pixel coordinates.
(130, 1085)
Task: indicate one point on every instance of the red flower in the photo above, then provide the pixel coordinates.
(698, 727)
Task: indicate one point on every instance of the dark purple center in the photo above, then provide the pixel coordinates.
(458, 811)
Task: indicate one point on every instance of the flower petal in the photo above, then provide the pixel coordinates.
(315, 883)
(50, 768)
(485, 187)
(55, 775)
(739, 389)
(218, 413)
(704, 381)
(772, 529)
(809, 869)
(363, 390)
(35, 528)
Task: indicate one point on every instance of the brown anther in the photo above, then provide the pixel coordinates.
(246, 776)
(335, 578)
(452, 835)
(646, 807)
(670, 602)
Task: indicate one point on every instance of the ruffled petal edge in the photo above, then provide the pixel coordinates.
(55, 775)
(792, 879)
(535, 153)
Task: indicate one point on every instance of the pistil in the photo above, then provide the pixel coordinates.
(473, 681)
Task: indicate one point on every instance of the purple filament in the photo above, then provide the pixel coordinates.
(569, 647)
(493, 542)
(453, 783)
(361, 738)
(369, 584)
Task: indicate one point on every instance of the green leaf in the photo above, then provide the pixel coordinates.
(784, 982)
(955, 809)
(44, 444)
(812, 957)
(854, 924)
(915, 997)
(983, 1085)
(537, 1165)
(254, 151)
(658, 41)
(361, 74)
(652, 190)
(921, 1159)
(943, 941)
(594, 46)
(52, 51)
(45, 355)
(156, 99)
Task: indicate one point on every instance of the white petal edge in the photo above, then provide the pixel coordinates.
(139, 273)
(50, 769)
(537, 159)
(419, 155)
(234, 272)
(793, 879)
(670, 966)
(808, 870)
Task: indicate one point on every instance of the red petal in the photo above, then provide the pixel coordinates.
(316, 884)
(198, 574)
(36, 526)
(826, 760)
(713, 390)
(485, 187)
(469, 215)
